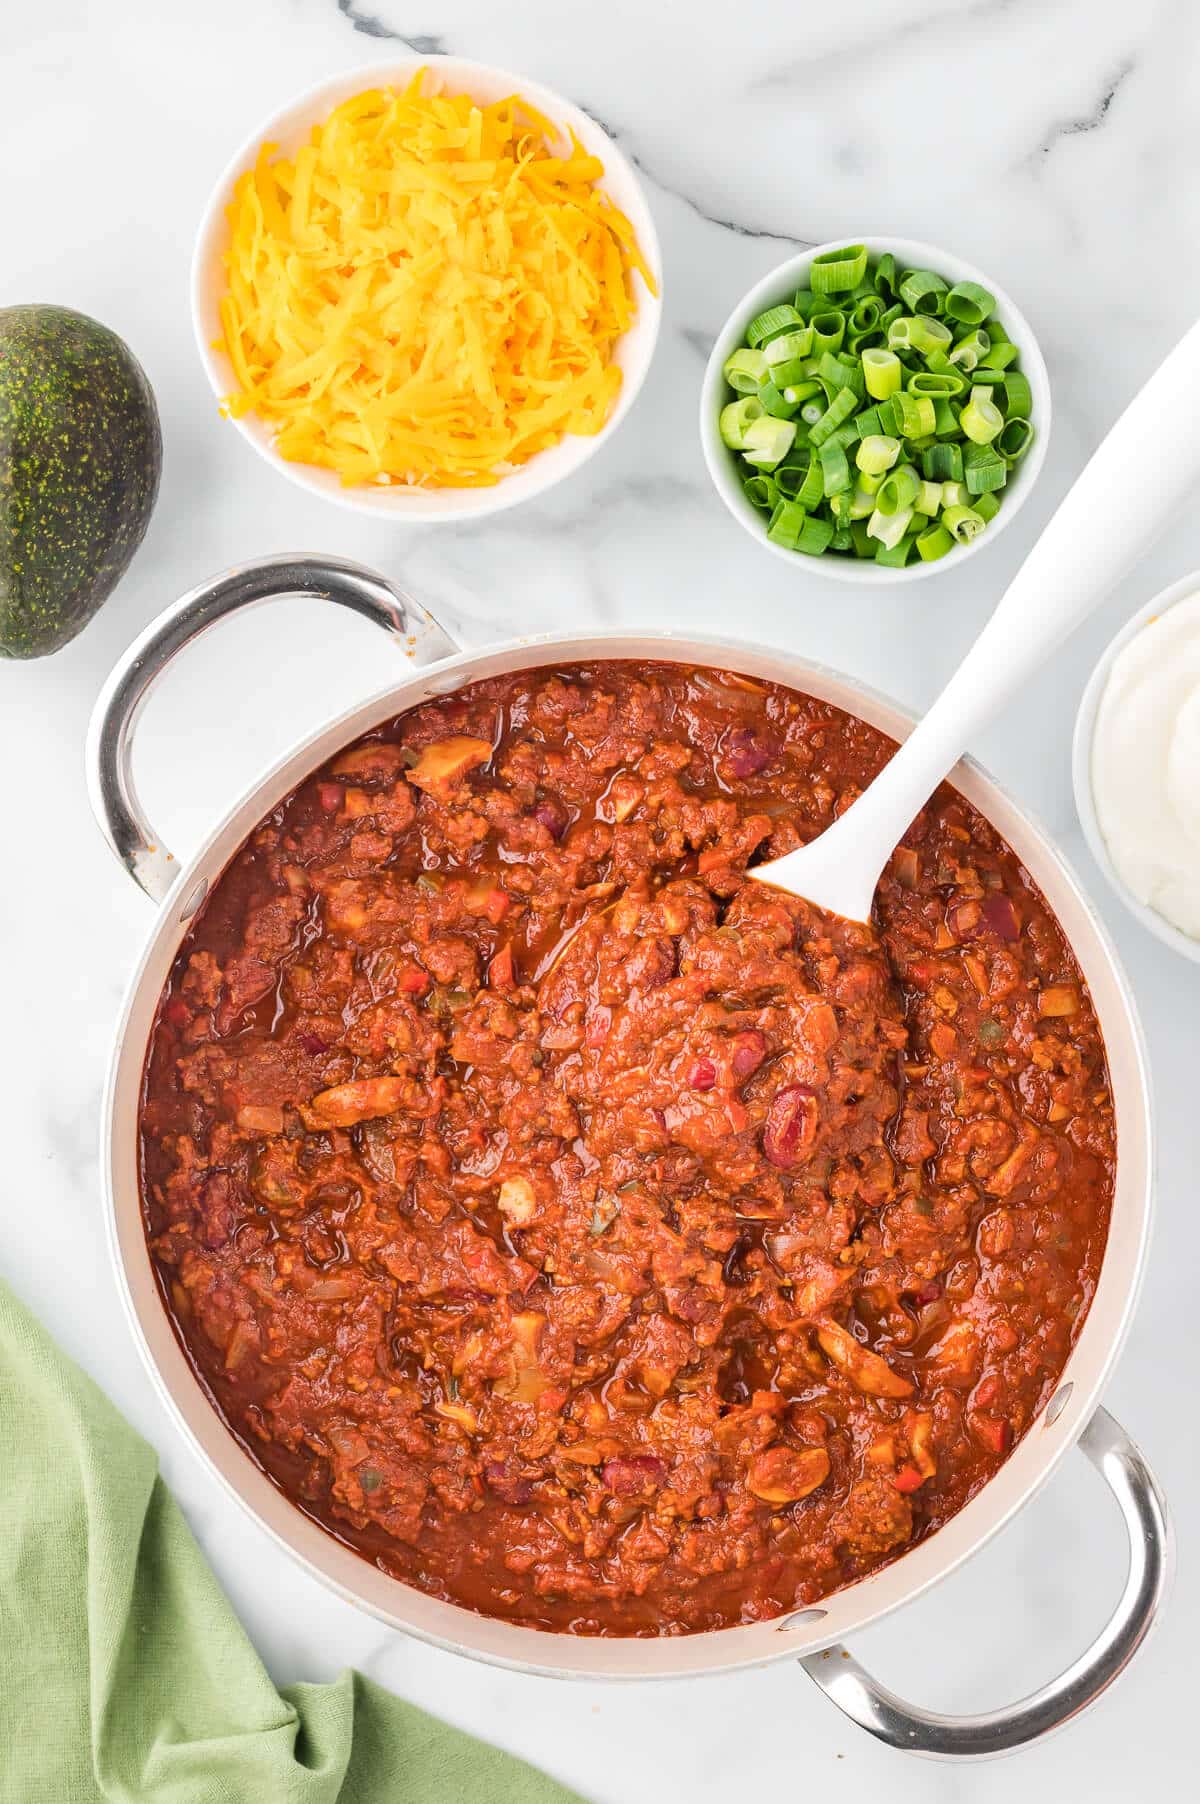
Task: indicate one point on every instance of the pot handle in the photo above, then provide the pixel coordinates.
(1151, 1564)
(114, 717)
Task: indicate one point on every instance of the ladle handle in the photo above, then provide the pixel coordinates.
(1145, 470)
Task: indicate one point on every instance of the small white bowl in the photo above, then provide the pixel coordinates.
(725, 468)
(289, 128)
(1081, 765)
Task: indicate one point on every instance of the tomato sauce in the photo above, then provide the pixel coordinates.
(587, 1234)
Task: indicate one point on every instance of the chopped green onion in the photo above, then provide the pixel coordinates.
(962, 523)
(839, 507)
(837, 272)
(898, 493)
(876, 454)
(889, 422)
(894, 557)
(981, 419)
(1003, 351)
(969, 303)
(812, 411)
(789, 374)
(864, 544)
(1014, 439)
(929, 498)
(945, 418)
(882, 372)
(785, 524)
(942, 463)
(840, 408)
(915, 414)
(983, 468)
(935, 383)
(1017, 395)
(885, 277)
(828, 329)
(805, 302)
(816, 536)
(866, 314)
(761, 491)
(768, 441)
(846, 434)
(987, 506)
(940, 364)
(841, 372)
(899, 332)
(890, 527)
(788, 345)
(746, 371)
(954, 494)
(812, 490)
(736, 420)
(775, 403)
(770, 324)
(970, 351)
(926, 335)
(862, 501)
(922, 291)
(796, 392)
(842, 540)
(934, 543)
(835, 471)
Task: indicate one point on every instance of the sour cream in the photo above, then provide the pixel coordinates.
(1146, 765)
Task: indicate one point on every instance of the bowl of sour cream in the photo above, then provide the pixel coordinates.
(1136, 765)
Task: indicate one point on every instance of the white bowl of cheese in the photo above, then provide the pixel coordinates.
(288, 131)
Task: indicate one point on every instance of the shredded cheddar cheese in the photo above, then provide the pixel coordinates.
(427, 294)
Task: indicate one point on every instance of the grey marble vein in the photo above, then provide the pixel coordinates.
(740, 227)
(421, 43)
(1093, 120)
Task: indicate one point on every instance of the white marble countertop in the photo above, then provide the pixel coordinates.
(1049, 141)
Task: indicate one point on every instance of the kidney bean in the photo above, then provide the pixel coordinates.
(508, 1485)
(628, 1477)
(552, 814)
(1001, 917)
(745, 752)
(791, 1126)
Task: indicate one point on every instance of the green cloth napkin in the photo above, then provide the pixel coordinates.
(124, 1674)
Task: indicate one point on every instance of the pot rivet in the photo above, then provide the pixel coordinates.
(194, 900)
(800, 1619)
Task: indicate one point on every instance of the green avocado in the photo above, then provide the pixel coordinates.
(80, 457)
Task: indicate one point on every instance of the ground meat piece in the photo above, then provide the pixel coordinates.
(875, 1518)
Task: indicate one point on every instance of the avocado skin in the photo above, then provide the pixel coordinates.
(80, 459)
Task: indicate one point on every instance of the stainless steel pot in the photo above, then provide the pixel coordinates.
(429, 664)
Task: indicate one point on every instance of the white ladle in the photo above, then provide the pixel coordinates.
(1147, 467)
